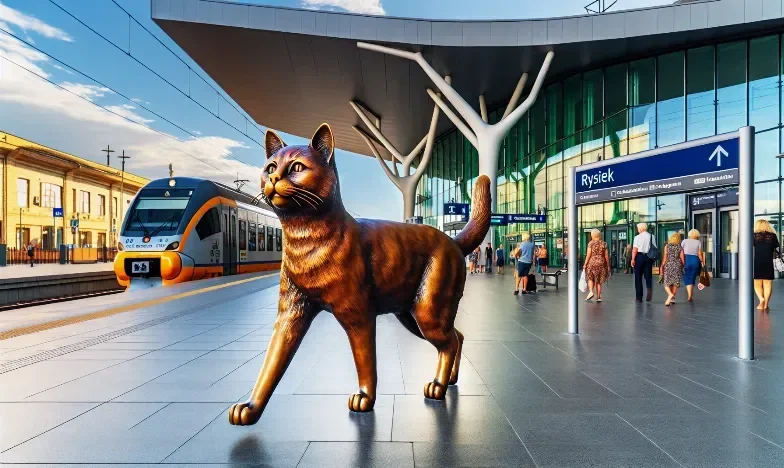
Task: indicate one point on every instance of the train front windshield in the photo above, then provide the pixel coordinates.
(157, 212)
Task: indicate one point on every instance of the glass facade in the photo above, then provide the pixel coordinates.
(612, 112)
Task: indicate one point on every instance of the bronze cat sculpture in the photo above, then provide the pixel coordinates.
(357, 269)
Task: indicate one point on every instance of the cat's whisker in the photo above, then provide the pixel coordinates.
(296, 196)
(309, 194)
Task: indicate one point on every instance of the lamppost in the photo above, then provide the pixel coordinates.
(122, 180)
(19, 237)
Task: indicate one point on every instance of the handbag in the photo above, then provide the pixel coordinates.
(705, 281)
(539, 269)
(583, 284)
(778, 262)
(653, 251)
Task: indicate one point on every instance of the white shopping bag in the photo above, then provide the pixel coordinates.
(583, 284)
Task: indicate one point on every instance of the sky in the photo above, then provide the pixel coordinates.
(78, 75)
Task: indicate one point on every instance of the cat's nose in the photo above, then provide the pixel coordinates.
(274, 178)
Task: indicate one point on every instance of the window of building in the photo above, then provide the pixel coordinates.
(84, 202)
(51, 195)
(74, 204)
(593, 98)
(243, 232)
(101, 205)
(23, 193)
(101, 239)
(764, 82)
(115, 213)
(766, 198)
(731, 89)
(22, 237)
(766, 147)
(670, 118)
(700, 86)
(86, 238)
(209, 224)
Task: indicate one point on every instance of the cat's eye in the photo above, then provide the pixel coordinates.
(297, 167)
(271, 168)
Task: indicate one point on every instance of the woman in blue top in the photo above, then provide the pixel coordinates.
(524, 263)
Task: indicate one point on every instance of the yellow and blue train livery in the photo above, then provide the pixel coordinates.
(182, 229)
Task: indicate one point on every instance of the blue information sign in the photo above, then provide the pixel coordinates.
(678, 168)
(498, 220)
(57, 212)
(527, 218)
(456, 209)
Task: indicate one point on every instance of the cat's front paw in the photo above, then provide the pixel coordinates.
(435, 391)
(244, 414)
(361, 402)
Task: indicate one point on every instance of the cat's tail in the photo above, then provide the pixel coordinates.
(474, 232)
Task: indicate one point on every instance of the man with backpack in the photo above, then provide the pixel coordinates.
(644, 254)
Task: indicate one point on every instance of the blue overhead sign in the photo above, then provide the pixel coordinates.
(703, 164)
(57, 212)
(498, 220)
(456, 209)
(527, 218)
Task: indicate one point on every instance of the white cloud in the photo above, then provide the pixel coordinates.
(29, 23)
(87, 91)
(80, 124)
(127, 111)
(368, 7)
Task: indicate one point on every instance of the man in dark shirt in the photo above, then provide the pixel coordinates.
(489, 258)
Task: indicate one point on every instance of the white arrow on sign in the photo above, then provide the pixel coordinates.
(718, 153)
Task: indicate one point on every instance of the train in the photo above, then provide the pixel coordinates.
(183, 229)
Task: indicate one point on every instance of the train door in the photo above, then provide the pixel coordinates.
(229, 225)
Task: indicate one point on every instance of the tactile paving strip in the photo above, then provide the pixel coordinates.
(62, 350)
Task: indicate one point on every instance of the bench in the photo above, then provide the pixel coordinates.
(551, 278)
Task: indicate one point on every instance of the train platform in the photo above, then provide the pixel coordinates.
(642, 385)
(52, 269)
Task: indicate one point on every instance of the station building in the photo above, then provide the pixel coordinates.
(621, 82)
(36, 180)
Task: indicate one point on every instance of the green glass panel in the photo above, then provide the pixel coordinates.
(572, 108)
(615, 88)
(642, 103)
(731, 92)
(554, 99)
(671, 207)
(537, 123)
(766, 148)
(615, 140)
(764, 82)
(701, 93)
(593, 99)
(670, 118)
(593, 143)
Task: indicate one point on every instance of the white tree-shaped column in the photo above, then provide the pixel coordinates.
(485, 137)
(406, 183)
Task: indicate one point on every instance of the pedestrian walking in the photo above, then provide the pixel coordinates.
(766, 248)
(597, 265)
(473, 258)
(526, 259)
(499, 260)
(643, 248)
(31, 253)
(627, 256)
(489, 259)
(693, 261)
(672, 267)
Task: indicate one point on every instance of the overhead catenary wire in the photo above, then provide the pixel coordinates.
(222, 152)
(129, 54)
(117, 114)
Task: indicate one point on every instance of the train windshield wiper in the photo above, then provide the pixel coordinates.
(164, 224)
(141, 224)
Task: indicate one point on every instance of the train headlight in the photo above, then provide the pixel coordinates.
(120, 246)
(172, 182)
(173, 245)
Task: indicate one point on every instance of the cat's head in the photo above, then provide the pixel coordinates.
(301, 180)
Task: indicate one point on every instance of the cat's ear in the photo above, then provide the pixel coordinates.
(324, 142)
(272, 143)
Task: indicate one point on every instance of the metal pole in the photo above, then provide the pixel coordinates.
(746, 244)
(571, 252)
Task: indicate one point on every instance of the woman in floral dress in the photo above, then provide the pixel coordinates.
(597, 265)
(672, 267)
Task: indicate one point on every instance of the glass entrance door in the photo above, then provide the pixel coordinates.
(728, 240)
(703, 222)
(617, 240)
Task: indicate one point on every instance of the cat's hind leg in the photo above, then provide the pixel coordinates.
(437, 327)
(458, 355)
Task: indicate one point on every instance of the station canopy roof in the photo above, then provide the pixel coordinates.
(292, 70)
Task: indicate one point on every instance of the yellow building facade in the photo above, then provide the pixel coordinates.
(36, 180)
